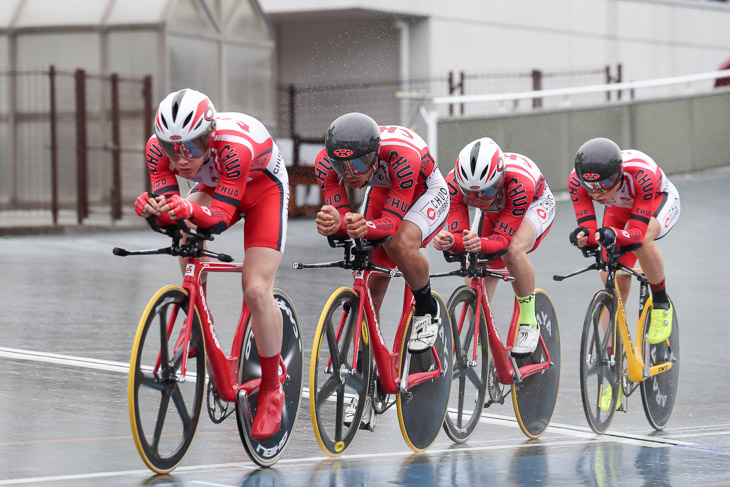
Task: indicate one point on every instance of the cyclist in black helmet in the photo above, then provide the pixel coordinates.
(642, 205)
(406, 198)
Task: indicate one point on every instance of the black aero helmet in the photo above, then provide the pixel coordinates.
(598, 165)
(352, 143)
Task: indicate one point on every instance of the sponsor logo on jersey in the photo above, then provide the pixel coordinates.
(343, 152)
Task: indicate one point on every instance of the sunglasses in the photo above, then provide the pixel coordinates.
(355, 167)
(482, 195)
(599, 185)
(189, 149)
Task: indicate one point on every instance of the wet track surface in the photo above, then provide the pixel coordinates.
(70, 310)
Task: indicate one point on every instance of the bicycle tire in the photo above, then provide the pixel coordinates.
(597, 368)
(469, 380)
(534, 398)
(268, 451)
(659, 392)
(422, 409)
(157, 398)
(332, 376)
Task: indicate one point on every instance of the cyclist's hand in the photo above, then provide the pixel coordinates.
(179, 208)
(328, 220)
(472, 242)
(356, 225)
(606, 236)
(443, 240)
(147, 205)
(579, 237)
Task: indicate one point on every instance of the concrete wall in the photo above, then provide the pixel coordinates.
(650, 38)
(681, 134)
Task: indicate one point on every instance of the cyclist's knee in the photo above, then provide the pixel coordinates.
(257, 291)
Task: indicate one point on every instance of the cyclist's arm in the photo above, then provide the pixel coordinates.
(458, 218)
(403, 166)
(646, 184)
(519, 193)
(164, 182)
(585, 213)
(335, 193)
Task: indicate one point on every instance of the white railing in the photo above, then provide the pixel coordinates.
(428, 110)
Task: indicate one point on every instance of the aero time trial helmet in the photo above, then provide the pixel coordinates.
(598, 165)
(480, 169)
(184, 123)
(352, 142)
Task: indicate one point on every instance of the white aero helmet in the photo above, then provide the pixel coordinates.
(184, 123)
(479, 169)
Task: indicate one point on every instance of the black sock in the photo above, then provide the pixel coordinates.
(659, 294)
(425, 304)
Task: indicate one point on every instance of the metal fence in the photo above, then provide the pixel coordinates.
(72, 141)
(305, 112)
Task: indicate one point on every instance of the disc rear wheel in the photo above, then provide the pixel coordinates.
(659, 392)
(422, 408)
(534, 398)
(268, 451)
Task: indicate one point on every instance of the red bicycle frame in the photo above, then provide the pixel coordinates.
(386, 361)
(224, 367)
(504, 363)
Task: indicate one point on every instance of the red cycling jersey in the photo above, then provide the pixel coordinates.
(523, 183)
(640, 194)
(244, 160)
(405, 165)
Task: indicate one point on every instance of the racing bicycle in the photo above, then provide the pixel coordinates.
(483, 364)
(175, 343)
(343, 372)
(612, 364)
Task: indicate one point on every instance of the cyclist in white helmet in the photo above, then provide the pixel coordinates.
(239, 173)
(514, 212)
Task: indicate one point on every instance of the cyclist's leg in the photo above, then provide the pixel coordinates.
(665, 215)
(264, 241)
(259, 270)
(378, 287)
(424, 218)
(534, 227)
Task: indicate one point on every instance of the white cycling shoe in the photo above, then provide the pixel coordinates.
(425, 331)
(526, 341)
(366, 422)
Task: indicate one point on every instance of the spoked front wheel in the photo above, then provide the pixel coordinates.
(534, 398)
(659, 392)
(470, 363)
(600, 362)
(164, 405)
(422, 408)
(268, 451)
(336, 377)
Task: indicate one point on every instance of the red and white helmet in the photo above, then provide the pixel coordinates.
(184, 124)
(480, 169)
